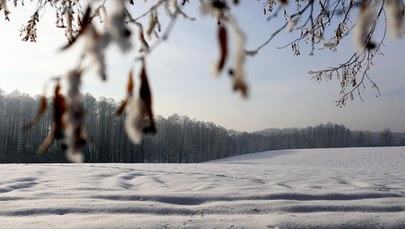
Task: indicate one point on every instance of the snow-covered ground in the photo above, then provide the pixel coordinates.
(322, 188)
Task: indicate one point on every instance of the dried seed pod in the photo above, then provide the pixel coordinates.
(139, 118)
(145, 45)
(117, 29)
(395, 12)
(146, 97)
(75, 136)
(223, 45)
(131, 84)
(130, 89)
(47, 142)
(122, 107)
(365, 22)
(59, 109)
(284, 2)
(239, 82)
(41, 111)
(153, 22)
(240, 85)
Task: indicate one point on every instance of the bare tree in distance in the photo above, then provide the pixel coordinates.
(321, 24)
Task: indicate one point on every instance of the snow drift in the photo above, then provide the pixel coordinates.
(322, 188)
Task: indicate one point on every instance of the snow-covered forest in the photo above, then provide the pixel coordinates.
(179, 139)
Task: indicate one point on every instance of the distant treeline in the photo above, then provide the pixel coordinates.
(179, 139)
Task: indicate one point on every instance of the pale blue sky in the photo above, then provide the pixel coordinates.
(282, 93)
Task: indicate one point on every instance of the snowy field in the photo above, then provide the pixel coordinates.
(322, 188)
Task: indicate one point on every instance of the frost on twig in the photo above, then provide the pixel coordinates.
(3, 6)
(141, 36)
(324, 24)
(292, 22)
(153, 24)
(29, 32)
(351, 75)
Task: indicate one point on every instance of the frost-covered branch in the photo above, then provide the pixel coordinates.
(324, 24)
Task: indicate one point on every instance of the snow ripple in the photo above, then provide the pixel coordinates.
(282, 189)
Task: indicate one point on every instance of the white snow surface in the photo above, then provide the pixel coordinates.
(303, 188)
